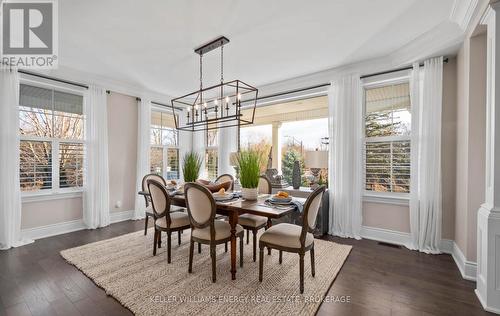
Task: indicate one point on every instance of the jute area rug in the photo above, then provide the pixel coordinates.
(145, 284)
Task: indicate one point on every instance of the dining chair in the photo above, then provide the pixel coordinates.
(164, 219)
(294, 238)
(252, 222)
(149, 210)
(204, 228)
(224, 178)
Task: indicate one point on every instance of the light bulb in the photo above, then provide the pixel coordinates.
(227, 100)
(216, 102)
(196, 107)
(205, 105)
(239, 96)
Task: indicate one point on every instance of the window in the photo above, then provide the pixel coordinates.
(387, 138)
(51, 139)
(164, 154)
(211, 153)
(294, 127)
(296, 138)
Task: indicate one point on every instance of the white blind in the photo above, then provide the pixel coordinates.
(48, 99)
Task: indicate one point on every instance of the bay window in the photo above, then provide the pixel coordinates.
(164, 153)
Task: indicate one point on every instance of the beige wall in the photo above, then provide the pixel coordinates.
(35, 214)
(471, 137)
(122, 150)
(397, 217)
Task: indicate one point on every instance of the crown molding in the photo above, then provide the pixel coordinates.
(462, 12)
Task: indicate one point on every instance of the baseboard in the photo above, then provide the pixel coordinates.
(386, 235)
(115, 217)
(467, 268)
(53, 229)
(483, 303)
(70, 226)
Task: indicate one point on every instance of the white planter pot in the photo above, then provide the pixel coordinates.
(249, 194)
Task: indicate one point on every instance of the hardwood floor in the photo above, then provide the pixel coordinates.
(377, 280)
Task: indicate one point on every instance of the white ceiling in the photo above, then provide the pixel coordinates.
(150, 43)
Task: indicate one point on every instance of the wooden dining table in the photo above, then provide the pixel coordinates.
(234, 208)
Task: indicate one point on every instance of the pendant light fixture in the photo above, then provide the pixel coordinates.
(217, 106)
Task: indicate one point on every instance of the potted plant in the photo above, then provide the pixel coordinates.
(191, 165)
(249, 168)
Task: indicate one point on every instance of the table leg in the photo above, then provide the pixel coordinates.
(269, 224)
(233, 220)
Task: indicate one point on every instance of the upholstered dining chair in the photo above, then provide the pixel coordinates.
(224, 178)
(252, 222)
(149, 209)
(294, 238)
(164, 219)
(204, 228)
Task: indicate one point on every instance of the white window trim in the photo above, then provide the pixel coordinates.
(55, 192)
(395, 198)
(165, 148)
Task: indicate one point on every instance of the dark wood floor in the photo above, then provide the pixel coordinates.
(379, 280)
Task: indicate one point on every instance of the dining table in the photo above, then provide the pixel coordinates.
(236, 207)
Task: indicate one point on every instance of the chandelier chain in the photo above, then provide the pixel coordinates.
(222, 64)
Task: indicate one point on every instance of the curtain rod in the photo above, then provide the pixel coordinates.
(54, 79)
(445, 60)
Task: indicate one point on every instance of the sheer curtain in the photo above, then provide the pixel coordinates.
(96, 192)
(228, 142)
(143, 152)
(425, 186)
(10, 193)
(185, 143)
(345, 156)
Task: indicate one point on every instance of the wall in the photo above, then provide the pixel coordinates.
(122, 151)
(42, 213)
(471, 137)
(397, 217)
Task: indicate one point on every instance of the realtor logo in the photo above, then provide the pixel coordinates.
(29, 38)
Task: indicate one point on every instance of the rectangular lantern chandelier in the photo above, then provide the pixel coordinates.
(218, 106)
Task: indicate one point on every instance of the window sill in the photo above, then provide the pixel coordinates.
(395, 199)
(49, 196)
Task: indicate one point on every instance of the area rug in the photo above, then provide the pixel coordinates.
(145, 284)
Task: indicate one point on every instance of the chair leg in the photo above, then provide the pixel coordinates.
(254, 245)
(225, 247)
(191, 250)
(281, 257)
(155, 241)
(241, 251)
(261, 261)
(159, 239)
(146, 225)
(212, 256)
(199, 248)
(313, 268)
(248, 234)
(179, 237)
(301, 268)
(169, 246)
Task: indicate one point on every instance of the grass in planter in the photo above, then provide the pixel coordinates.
(249, 165)
(191, 165)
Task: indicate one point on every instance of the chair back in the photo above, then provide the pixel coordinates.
(311, 210)
(160, 200)
(200, 205)
(264, 185)
(225, 178)
(151, 176)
